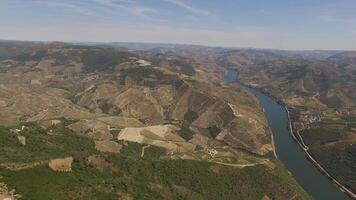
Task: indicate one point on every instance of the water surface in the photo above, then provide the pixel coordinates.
(288, 151)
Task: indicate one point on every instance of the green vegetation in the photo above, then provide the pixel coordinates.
(131, 175)
(21, 52)
(145, 179)
(183, 66)
(103, 59)
(224, 155)
(190, 116)
(332, 102)
(133, 150)
(341, 163)
(338, 160)
(214, 131)
(108, 108)
(185, 131)
(42, 146)
(37, 56)
(321, 94)
(320, 136)
(227, 115)
(92, 83)
(151, 77)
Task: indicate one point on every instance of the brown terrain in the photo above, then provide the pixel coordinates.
(56, 84)
(99, 113)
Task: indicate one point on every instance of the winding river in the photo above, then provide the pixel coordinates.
(288, 151)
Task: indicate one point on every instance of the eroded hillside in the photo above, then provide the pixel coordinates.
(81, 115)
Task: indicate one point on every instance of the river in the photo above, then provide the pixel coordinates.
(288, 151)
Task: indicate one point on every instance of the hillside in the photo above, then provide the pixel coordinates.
(94, 122)
(322, 98)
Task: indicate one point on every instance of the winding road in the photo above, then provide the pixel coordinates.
(289, 152)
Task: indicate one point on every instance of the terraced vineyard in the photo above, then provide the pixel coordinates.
(88, 122)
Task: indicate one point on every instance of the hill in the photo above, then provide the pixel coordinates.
(100, 122)
(321, 97)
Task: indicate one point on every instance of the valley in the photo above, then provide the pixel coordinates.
(94, 110)
(106, 122)
(319, 96)
(177, 100)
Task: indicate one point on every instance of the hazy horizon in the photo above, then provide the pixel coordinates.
(160, 43)
(277, 24)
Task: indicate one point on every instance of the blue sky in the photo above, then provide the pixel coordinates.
(280, 24)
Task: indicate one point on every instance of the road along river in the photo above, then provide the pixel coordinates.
(289, 152)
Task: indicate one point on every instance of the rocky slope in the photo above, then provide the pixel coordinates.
(111, 110)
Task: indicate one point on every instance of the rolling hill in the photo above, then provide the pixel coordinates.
(96, 122)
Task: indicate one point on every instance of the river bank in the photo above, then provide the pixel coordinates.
(288, 148)
(299, 140)
(305, 148)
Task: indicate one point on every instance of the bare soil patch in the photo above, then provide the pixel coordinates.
(108, 146)
(61, 164)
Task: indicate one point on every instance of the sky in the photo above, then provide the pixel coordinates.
(277, 24)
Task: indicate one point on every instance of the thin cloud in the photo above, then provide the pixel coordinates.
(329, 18)
(266, 12)
(141, 11)
(67, 6)
(185, 6)
(129, 6)
(87, 8)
